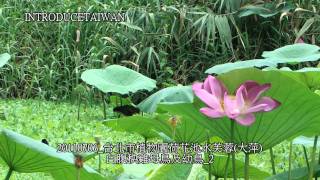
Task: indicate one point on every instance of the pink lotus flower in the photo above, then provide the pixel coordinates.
(239, 107)
(211, 92)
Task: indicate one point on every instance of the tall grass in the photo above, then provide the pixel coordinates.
(171, 41)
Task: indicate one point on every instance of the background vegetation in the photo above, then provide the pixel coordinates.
(170, 41)
(173, 42)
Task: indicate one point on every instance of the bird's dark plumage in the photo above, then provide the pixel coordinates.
(126, 110)
(45, 141)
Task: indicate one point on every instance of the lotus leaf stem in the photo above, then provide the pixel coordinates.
(79, 103)
(209, 165)
(9, 174)
(290, 160)
(313, 158)
(104, 107)
(226, 168)
(272, 162)
(306, 157)
(246, 166)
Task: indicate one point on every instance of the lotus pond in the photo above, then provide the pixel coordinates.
(161, 90)
(245, 134)
(18, 112)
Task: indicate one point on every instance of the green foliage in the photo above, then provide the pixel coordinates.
(158, 38)
(33, 156)
(171, 42)
(296, 174)
(305, 141)
(218, 168)
(170, 95)
(41, 119)
(223, 68)
(145, 126)
(117, 79)
(171, 171)
(180, 128)
(293, 118)
(136, 171)
(296, 53)
(265, 9)
(57, 122)
(306, 76)
(293, 53)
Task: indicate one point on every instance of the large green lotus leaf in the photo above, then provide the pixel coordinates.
(310, 77)
(171, 171)
(223, 68)
(298, 114)
(288, 54)
(88, 155)
(170, 95)
(136, 171)
(296, 174)
(305, 141)
(219, 165)
(299, 52)
(186, 130)
(26, 155)
(72, 174)
(118, 79)
(143, 125)
(309, 69)
(4, 58)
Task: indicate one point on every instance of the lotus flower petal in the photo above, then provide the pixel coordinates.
(211, 112)
(197, 85)
(230, 106)
(241, 95)
(206, 97)
(214, 86)
(254, 91)
(211, 92)
(240, 107)
(246, 119)
(264, 104)
(248, 101)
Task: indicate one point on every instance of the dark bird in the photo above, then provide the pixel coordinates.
(127, 110)
(45, 141)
